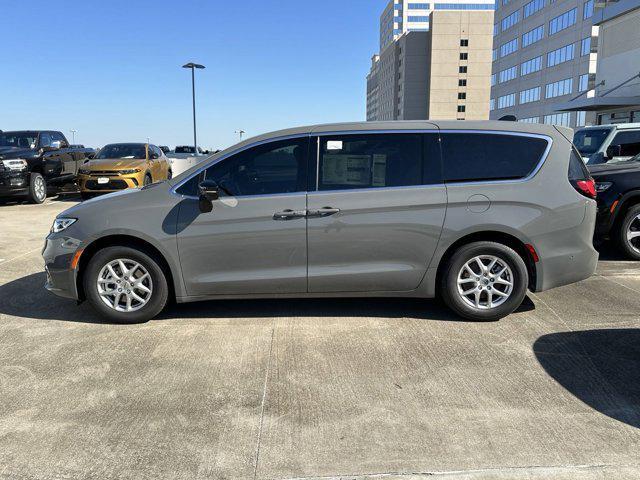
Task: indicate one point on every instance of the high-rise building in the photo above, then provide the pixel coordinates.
(544, 54)
(434, 61)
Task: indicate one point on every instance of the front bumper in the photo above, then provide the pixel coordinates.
(90, 183)
(58, 253)
(14, 183)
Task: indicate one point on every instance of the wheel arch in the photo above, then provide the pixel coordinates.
(503, 238)
(123, 240)
(627, 201)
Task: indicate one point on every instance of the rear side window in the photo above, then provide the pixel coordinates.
(629, 143)
(370, 161)
(577, 168)
(473, 157)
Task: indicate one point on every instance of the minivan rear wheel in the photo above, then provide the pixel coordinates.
(484, 281)
(125, 285)
(629, 233)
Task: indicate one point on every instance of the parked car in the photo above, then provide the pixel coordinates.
(165, 149)
(190, 149)
(476, 212)
(36, 162)
(608, 143)
(618, 186)
(119, 166)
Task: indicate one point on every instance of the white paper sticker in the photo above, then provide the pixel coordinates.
(103, 180)
(334, 145)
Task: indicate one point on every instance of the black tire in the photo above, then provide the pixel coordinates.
(147, 180)
(169, 175)
(631, 222)
(159, 292)
(37, 188)
(455, 300)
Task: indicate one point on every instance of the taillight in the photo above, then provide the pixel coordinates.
(586, 187)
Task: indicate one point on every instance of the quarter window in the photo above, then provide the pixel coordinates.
(482, 156)
(370, 161)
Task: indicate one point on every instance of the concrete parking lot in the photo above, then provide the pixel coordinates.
(390, 389)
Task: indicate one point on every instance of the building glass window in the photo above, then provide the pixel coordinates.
(418, 6)
(561, 55)
(532, 36)
(464, 6)
(585, 46)
(581, 119)
(462, 69)
(464, 56)
(493, 79)
(530, 120)
(557, 89)
(531, 66)
(587, 11)
(417, 19)
(462, 82)
(507, 100)
(462, 96)
(530, 95)
(492, 104)
(510, 20)
(509, 47)
(464, 42)
(532, 7)
(507, 74)
(563, 119)
(461, 108)
(583, 82)
(563, 21)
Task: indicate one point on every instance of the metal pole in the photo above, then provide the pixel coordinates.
(193, 89)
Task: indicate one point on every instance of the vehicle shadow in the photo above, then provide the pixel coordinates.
(26, 297)
(599, 367)
(610, 252)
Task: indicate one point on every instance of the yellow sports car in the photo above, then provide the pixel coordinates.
(122, 165)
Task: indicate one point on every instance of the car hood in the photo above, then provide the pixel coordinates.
(617, 168)
(114, 164)
(14, 152)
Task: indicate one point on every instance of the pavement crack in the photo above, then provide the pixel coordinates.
(264, 397)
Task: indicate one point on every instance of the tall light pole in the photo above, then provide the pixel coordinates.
(73, 133)
(240, 132)
(193, 67)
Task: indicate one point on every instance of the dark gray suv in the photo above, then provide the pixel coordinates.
(476, 212)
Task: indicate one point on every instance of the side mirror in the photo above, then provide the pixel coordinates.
(208, 191)
(614, 151)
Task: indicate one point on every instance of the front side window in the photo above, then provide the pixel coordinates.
(370, 161)
(45, 140)
(269, 169)
(469, 157)
(58, 137)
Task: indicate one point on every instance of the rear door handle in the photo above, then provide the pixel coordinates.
(289, 214)
(323, 212)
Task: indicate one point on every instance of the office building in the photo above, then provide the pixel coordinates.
(615, 97)
(434, 62)
(544, 54)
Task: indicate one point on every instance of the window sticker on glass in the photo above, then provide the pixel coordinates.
(379, 171)
(346, 169)
(334, 145)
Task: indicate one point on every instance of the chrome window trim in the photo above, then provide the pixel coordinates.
(533, 173)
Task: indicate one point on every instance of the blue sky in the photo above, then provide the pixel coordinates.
(111, 69)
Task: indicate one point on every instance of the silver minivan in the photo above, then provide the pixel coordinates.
(473, 212)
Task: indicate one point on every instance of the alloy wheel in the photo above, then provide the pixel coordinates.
(485, 282)
(124, 285)
(633, 233)
(40, 188)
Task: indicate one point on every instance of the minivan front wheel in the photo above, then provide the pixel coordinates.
(125, 285)
(484, 281)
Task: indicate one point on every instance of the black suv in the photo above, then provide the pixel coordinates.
(36, 162)
(618, 187)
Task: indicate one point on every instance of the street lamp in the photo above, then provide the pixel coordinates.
(193, 67)
(240, 132)
(73, 133)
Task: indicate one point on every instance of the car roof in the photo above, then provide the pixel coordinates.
(617, 126)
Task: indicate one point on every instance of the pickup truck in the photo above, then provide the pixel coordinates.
(36, 162)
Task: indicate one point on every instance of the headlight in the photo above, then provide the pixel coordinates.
(603, 186)
(60, 224)
(129, 172)
(17, 164)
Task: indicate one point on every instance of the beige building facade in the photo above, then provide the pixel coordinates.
(442, 72)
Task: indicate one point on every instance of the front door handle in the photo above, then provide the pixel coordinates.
(289, 214)
(323, 212)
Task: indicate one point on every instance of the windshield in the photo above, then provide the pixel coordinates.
(123, 150)
(588, 141)
(18, 139)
